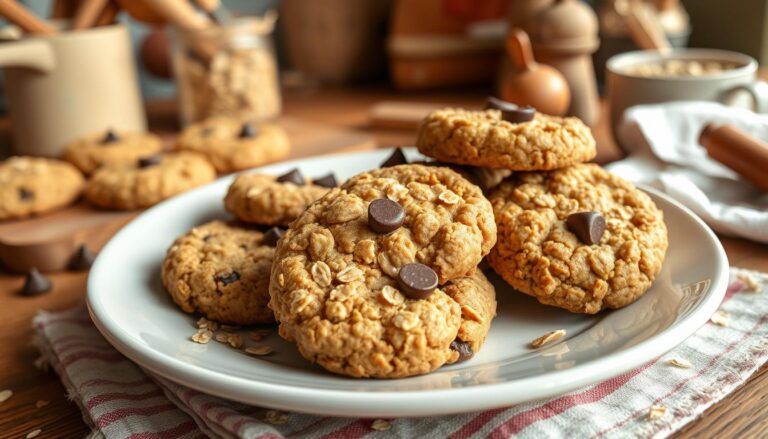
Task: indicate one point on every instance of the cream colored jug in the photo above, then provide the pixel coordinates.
(70, 84)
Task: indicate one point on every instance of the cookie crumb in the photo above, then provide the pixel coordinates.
(34, 433)
(204, 323)
(548, 338)
(720, 318)
(752, 282)
(448, 197)
(656, 412)
(229, 328)
(41, 403)
(275, 417)
(202, 336)
(5, 394)
(258, 350)
(679, 362)
(380, 425)
(259, 334)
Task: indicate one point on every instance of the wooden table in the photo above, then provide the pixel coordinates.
(744, 413)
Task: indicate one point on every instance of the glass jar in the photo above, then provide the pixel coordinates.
(227, 71)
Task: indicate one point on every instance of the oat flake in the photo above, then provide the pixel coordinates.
(380, 425)
(5, 394)
(656, 412)
(548, 337)
(679, 362)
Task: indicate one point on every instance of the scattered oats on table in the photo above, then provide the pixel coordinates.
(5, 394)
(679, 362)
(380, 425)
(34, 433)
(229, 328)
(656, 412)
(754, 285)
(202, 336)
(276, 417)
(258, 350)
(720, 318)
(204, 323)
(41, 403)
(548, 338)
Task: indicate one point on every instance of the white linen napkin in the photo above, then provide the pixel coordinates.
(664, 152)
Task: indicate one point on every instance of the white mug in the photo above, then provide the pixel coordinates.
(737, 86)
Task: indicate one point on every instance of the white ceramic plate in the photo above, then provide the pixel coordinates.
(130, 308)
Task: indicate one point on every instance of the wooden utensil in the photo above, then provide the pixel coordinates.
(643, 26)
(180, 13)
(88, 13)
(531, 83)
(140, 10)
(215, 10)
(108, 14)
(736, 149)
(20, 16)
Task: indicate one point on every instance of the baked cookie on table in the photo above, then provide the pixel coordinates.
(148, 180)
(111, 148)
(269, 200)
(505, 136)
(34, 185)
(578, 238)
(232, 145)
(378, 278)
(221, 271)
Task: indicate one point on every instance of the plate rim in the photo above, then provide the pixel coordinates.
(430, 402)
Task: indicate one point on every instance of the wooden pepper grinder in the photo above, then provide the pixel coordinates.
(531, 83)
(565, 36)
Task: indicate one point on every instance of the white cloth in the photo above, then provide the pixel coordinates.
(664, 152)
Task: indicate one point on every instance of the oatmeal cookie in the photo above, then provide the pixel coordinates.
(357, 278)
(33, 185)
(232, 145)
(221, 271)
(547, 222)
(484, 138)
(262, 199)
(148, 181)
(111, 148)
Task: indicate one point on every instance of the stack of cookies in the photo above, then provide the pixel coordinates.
(570, 234)
(378, 277)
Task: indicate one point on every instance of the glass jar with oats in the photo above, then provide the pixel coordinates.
(227, 71)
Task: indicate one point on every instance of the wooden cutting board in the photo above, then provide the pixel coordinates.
(48, 242)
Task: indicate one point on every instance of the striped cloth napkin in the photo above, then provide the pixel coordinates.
(120, 400)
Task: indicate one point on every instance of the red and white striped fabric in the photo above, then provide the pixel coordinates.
(120, 400)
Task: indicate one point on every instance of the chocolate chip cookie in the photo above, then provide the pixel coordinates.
(33, 185)
(111, 148)
(486, 139)
(362, 278)
(148, 180)
(232, 145)
(269, 200)
(221, 271)
(578, 238)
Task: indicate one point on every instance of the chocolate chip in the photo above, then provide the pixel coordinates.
(417, 280)
(272, 236)
(110, 137)
(248, 131)
(510, 112)
(587, 226)
(326, 181)
(385, 215)
(206, 238)
(26, 194)
(292, 176)
(82, 259)
(35, 284)
(396, 158)
(227, 279)
(463, 348)
(153, 160)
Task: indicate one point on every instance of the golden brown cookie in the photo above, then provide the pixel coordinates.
(232, 145)
(341, 287)
(221, 271)
(541, 254)
(148, 181)
(34, 185)
(111, 148)
(483, 138)
(261, 199)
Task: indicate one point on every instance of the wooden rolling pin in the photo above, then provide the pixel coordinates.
(21, 17)
(734, 148)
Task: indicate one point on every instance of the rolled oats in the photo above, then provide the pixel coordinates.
(656, 412)
(350, 274)
(258, 350)
(202, 336)
(391, 296)
(720, 318)
(5, 394)
(321, 273)
(679, 362)
(549, 337)
(406, 321)
(380, 425)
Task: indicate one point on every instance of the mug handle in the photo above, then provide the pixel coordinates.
(33, 54)
(758, 90)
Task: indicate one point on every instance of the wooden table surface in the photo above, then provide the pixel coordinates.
(743, 414)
